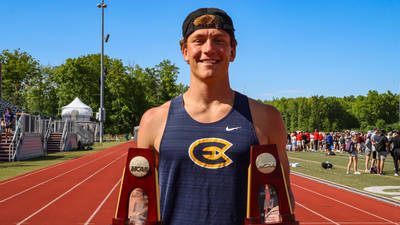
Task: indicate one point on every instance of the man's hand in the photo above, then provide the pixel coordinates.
(272, 216)
(138, 206)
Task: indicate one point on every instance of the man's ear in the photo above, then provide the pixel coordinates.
(184, 53)
(233, 54)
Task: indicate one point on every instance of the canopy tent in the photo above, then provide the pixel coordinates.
(77, 111)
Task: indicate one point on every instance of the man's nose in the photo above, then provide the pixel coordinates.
(208, 46)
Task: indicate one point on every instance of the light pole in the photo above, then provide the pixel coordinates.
(101, 109)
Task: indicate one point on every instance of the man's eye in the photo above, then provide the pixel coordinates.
(220, 41)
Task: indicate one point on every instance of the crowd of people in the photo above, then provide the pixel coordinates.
(375, 145)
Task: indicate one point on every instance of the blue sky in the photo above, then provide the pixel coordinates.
(286, 48)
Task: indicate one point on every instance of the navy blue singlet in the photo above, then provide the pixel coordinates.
(203, 166)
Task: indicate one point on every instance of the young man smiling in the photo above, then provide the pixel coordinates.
(204, 136)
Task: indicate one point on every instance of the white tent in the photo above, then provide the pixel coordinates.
(77, 111)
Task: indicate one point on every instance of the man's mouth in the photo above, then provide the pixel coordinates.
(209, 61)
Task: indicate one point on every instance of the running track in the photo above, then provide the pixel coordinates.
(85, 191)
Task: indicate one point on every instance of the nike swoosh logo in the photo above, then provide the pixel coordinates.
(232, 128)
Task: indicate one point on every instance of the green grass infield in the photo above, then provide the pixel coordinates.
(310, 164)
(13, 169)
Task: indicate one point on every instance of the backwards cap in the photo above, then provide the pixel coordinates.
(224, 22)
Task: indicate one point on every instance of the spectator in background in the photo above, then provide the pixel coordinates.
(329, 143)
(368, 151)
(361, 142)
(381, 146)
(293, 140)
(342, 142)
(298, 141)
(353, 155)
(3, 125)
(336, 141)
(303, 140)
(308, 138)
(8, 118)
(316, 137)
(321, 142)
(396, 151)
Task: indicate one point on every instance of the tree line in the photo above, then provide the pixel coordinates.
(361, 113)
(129, 90)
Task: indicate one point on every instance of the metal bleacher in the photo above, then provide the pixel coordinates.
(34, 136)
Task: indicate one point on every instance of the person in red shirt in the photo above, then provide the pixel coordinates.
(320, 138)
(298, 139)
(307, 145)
(316, 138)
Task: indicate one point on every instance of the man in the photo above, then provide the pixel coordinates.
(204, 136)
(299, 144)
(329, 143)
(381, 146)
(316, 136)
(396, 151)
(368, 151)
(353, 155)
(8, 118)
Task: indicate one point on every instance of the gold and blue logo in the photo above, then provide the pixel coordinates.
(210, 153)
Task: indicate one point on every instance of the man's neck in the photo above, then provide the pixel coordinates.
(205, 93)
(208, 102)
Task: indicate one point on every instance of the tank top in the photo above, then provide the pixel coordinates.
(203, 166)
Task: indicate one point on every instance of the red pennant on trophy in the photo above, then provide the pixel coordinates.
(266, 178)
(139, 194)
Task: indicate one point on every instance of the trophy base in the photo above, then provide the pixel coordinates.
(120, 221)
(286, 220)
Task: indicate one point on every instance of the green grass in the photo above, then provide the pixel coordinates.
(310, 164)
(13, 169)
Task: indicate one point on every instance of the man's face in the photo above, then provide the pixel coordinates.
(209, 53)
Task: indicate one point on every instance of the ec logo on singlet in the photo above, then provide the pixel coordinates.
(210, 153)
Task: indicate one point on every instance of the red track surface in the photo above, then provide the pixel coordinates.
(85, 191)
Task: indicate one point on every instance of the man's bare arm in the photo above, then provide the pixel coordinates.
(270, 129)
(152, 127)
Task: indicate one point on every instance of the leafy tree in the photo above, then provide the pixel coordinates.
(41, 93)
(19, 68)
(79, 77)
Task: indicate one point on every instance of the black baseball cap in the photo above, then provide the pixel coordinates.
(224, 21)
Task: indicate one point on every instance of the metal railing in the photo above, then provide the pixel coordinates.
(66, 130)
(17, 138)
(47, 134)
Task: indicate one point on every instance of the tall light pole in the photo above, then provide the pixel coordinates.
(101, 109)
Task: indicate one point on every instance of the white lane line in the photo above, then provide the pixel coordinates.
(389, 221)
(102, 203)
(326, 218)
(46, 181)
(41, 170)
(71, 189)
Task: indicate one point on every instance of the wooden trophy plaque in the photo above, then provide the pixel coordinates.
(266, 173)
(140, 173)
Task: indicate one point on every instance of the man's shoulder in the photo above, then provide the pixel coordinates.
(155, 114)
(267, 122)
(263, 110)
(151, 126)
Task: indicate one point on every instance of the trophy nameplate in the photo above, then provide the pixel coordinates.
(266, 171)
(140, 173)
